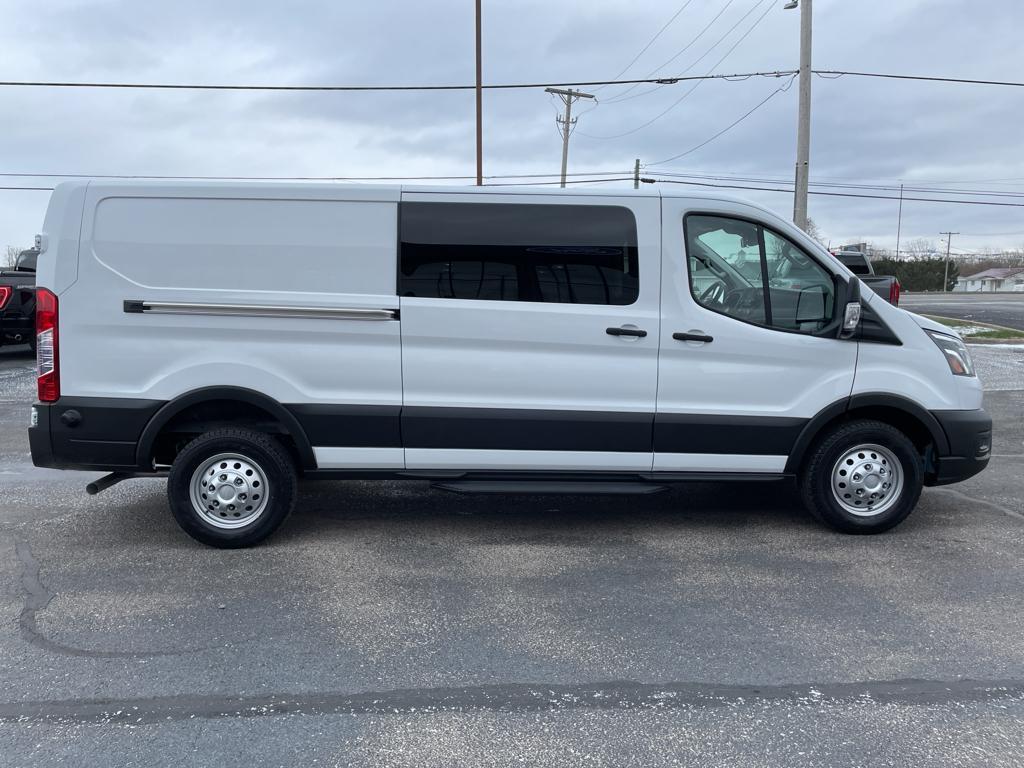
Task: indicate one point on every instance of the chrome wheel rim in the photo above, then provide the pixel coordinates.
(229, 491)
(867, 480)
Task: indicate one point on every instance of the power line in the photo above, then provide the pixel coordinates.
(668, 173)
(837, 73)
(662, 181)
(789, 191)
(708, 26)
(354, 88)
(696, 85)
(498, 184)
(992, 234)
(295, 178)
(493, 86)
(549, 183)
(623, 97)
(732, 125)
(882, 187)
(653, 39)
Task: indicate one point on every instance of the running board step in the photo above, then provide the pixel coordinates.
(549, 486)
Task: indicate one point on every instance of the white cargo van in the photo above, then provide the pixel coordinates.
(238, 336)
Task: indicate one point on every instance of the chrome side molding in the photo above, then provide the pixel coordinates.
(137, 306)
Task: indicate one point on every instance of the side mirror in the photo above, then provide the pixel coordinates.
(851, 310)
(810, 305)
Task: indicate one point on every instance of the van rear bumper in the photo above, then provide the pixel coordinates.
(970, 445)
(91, 433)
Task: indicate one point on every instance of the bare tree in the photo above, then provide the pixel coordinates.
(10, 256)
(919, 249)
(814, 231)
(876, 252)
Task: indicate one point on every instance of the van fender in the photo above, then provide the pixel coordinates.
(864, 400)
(239, 394)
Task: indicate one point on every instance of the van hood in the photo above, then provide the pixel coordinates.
(931, 325)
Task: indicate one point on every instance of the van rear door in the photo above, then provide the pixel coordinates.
(529, 331)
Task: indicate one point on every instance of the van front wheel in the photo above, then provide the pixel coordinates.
(862, 477)
(231, 487)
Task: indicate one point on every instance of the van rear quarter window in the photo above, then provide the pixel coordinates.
(570, 254)
(306, 246)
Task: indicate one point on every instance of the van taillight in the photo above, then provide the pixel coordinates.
(894, 292)
(5, 295)
(46, 346)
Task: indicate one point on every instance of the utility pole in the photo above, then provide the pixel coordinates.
(479, 105)
(636, 174)
(567, 122)
(899, 224)
(803, 130)
(949, 243)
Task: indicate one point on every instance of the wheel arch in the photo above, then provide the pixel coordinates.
(904, 414)
(247, 398)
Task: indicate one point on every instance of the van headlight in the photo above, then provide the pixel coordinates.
(955, 352)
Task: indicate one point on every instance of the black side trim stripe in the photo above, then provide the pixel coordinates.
(350, 426)
(708, 433)
(104, 432)
(526, 430)
(513, 429)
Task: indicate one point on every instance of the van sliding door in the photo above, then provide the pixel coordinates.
(529, 331)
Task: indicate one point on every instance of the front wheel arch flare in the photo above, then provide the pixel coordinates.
(894, 410)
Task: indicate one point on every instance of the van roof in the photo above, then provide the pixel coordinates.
(325, 190)
(645, 190)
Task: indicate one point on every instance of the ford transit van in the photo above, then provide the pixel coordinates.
(237, 337)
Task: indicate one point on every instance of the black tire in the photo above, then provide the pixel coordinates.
(278, 489)
(816, 488)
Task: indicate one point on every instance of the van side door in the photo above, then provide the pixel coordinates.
(530, 331)
(748, 356)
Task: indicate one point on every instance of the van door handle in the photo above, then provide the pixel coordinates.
(625, 332)
(693, 337)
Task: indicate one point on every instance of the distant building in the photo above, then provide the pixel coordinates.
(858, 247)
(999, 279)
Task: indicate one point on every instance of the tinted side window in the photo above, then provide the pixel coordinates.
(726, 267)
(740, 269)
(855, 263)
(570, 254)
(27, 260)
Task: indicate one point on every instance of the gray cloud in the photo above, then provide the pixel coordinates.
(867, 130)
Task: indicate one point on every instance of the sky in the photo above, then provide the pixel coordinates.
(864, 131)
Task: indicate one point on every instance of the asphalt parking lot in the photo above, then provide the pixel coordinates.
(396, 625)
(1006, 309)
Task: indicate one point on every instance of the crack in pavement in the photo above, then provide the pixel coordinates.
(38, 597)
(513, 697)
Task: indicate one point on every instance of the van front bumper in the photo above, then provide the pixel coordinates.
(970, 445)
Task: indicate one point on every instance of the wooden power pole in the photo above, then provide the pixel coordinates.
(479, 105)
(949, 244)
(568, 96)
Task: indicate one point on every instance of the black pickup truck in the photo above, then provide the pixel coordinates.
(886, 286)
(18, 301)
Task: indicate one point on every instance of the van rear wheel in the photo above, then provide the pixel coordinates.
(232, 488)
(862, 477)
